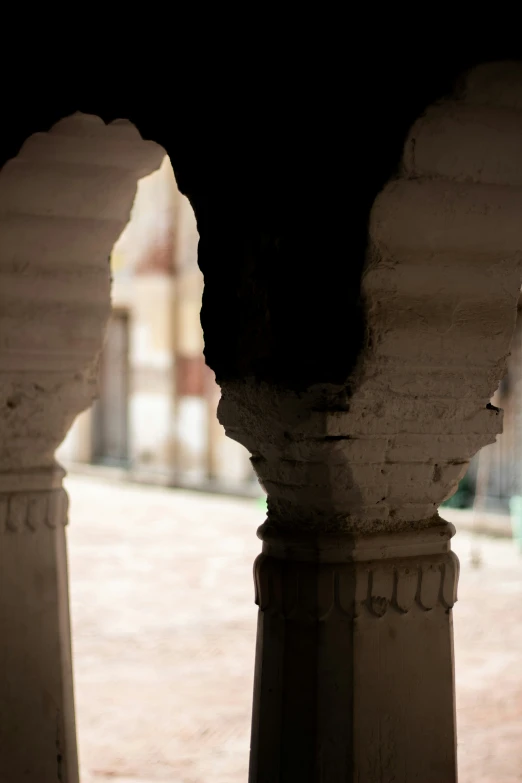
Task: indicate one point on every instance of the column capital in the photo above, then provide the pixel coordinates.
(308, 577)
(361, 461)
(33, 499)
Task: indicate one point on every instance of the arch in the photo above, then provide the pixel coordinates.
(415, 409)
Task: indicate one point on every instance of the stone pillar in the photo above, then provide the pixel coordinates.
(354, 673)
(37, 726)
(63, 202)
(354, 664)
(356, 581)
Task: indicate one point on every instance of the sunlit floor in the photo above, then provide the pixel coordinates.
(164, 626)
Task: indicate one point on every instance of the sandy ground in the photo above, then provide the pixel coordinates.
(164, 626)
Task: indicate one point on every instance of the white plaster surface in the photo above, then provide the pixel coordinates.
(151, 417)
(192, 435)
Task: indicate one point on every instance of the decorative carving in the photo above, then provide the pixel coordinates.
(313, 590)
(301, 579)
(427, 582)
(31, 499)
(29, 511)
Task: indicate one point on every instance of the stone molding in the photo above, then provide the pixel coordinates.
(31, 500)
(309, 579)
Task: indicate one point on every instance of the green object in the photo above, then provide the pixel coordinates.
(261, 502)
(464, 495)
(515, 507)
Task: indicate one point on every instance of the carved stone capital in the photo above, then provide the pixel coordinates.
(31, 500)
(310, 578)
(361, 462)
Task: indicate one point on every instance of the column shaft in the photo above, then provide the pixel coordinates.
(37, 725)
(354, 674)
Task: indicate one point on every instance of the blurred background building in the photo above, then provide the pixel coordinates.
(155, 417)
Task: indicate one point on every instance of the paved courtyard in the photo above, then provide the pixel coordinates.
(164, 625)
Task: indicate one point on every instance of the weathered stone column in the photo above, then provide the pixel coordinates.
(356, 581)
(354, 664)
(63, 202)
